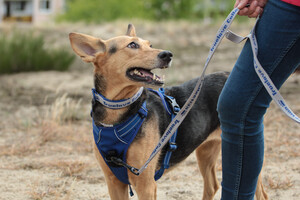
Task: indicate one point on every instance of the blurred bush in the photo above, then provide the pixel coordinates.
(21, 52)
(104, 10)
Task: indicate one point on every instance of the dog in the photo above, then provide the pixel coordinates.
(122, 65)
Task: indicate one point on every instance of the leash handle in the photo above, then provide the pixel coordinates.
(262, 74)
(267, 82)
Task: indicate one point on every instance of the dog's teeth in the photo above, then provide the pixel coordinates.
(137, 72)
(154, 77)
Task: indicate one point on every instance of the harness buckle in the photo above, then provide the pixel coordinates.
(172, 147)
(173, 103)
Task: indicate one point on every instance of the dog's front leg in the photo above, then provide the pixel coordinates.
(138, 153)
(145, 186)
(117, 190)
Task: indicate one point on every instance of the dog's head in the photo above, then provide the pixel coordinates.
(122, 61)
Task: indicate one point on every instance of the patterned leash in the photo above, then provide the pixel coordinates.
(265, 79)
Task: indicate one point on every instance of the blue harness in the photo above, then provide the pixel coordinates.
(113, 142)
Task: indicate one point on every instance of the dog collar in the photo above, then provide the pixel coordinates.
(119, 103)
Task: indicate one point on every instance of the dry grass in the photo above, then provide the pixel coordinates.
(65, 109)
(27, 145)
(61, 191)
(278, 183)
(69, 168)
(45, 145)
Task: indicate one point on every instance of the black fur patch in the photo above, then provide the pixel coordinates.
(113, 49)
(99, 83)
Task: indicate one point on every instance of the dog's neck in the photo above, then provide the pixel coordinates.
(117, 104)
(114, 92)
(103, 114)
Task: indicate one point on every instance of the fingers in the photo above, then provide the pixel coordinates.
(257, 12)
(240, 4)
(254, 10)
(247, 11)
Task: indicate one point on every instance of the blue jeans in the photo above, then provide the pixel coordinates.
(244, 100)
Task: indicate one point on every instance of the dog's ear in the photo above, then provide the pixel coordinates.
(131, 31)
(86, 46)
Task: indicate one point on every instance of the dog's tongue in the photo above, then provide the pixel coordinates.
(146, 73)
(150, 76)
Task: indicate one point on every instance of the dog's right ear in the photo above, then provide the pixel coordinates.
(86, 46)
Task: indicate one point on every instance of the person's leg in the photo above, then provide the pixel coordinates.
(243, 101)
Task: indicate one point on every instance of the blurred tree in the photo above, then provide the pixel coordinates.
(172, 9)
(104, 10)
(107, 10)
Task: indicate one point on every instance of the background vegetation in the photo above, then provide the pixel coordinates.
(25, 52)
(103, 10)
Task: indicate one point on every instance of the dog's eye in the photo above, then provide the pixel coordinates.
(133, 45)
(150, 45)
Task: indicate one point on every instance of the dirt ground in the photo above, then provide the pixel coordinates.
(46, 133)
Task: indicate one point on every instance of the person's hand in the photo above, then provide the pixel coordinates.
(255, 9)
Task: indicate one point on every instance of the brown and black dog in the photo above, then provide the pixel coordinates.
(122, 66)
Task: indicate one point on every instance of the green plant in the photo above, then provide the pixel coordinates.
(26, 52)
(103, 10)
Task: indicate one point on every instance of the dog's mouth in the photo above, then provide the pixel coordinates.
(144, 75)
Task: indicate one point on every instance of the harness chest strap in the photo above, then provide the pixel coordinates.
(113, 142)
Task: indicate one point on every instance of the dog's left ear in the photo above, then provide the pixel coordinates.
(87, 47)
(131, 31)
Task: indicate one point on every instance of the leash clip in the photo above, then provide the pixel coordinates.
(120, 162)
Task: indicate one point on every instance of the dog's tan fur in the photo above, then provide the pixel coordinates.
(112, 67)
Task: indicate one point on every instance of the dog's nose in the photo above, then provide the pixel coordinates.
(165, 56)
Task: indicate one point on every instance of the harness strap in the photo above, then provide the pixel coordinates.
(168, 102)
(113, 142)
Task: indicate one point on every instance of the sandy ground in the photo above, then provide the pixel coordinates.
(45, 128)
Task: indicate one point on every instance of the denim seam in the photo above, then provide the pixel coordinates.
(242, 132)
(282, 55)
(243, 118)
